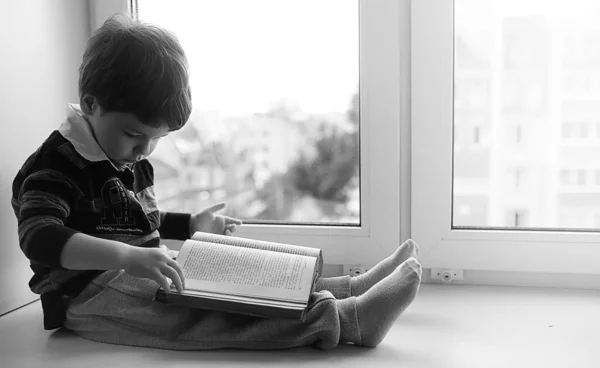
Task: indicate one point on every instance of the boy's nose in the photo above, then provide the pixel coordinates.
(144, 149)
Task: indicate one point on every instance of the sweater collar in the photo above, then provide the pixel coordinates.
(77, 130)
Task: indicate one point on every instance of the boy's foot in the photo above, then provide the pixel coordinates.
(380, 306)
(361, 283)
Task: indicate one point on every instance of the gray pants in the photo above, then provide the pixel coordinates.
(118, 308)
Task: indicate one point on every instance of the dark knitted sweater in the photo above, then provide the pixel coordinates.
(69, 185)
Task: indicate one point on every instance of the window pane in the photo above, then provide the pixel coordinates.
(274, 130)
(535, 65)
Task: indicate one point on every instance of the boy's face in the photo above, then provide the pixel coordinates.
(122, 136)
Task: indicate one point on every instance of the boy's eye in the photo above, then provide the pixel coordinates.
(131, 135)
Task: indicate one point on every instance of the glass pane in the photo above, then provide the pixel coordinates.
(526, 114)
(274, 130)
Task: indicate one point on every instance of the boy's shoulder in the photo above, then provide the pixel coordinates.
(55, 153)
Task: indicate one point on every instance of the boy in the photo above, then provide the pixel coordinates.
(89, 222)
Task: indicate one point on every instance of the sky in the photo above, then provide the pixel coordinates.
(247, 55)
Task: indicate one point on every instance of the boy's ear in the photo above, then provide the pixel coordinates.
(87, 104)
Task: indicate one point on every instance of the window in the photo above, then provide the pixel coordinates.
(518, 134)
(518, 177)
(578, 180)
(581, 177)
(524, 40)
(578, 132)
(372, 195)
(597, 220)
(517, 218)
(276, 110)
(567, 130)
(583, 130)
(531, 52)
(565, 177)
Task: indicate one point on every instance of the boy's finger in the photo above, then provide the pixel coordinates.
(173, 253)
(174, 276)
(216, 207)
(175, 266)
(231, 220)
(162, 281)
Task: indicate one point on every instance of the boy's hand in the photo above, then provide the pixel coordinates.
(172, 253)
(206, 221)
(155, 264)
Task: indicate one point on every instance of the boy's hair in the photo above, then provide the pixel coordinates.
(137, 68)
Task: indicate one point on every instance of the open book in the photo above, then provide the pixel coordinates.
(245, 276)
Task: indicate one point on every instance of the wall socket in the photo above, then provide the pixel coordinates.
(446, 274)
(355, 270)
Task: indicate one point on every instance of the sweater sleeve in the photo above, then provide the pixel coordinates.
(42, 205)
(174, 225)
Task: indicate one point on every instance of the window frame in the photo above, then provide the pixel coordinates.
(384, 116)
(528, 250)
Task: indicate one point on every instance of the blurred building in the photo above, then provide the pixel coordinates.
(527, 124)
(223, 159)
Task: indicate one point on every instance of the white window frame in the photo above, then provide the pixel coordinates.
(431, 121)
(381, 110)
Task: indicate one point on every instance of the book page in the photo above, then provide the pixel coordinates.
(257, 244)
(246, 271)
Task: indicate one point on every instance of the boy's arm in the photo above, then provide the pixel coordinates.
(85, 252)
(42, 204)
(174, 225)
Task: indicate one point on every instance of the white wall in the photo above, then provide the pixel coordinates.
(42, 42)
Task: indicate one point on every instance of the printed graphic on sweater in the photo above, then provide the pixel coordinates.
(119, 207)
